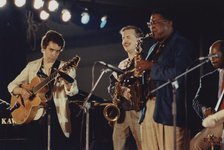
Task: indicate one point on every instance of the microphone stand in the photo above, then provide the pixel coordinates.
(48, 130)
(175, 85)
(87, 105)
(9, 109)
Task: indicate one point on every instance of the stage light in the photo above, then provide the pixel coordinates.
(44, 15)
(20, 3)
(65, 15)
(103, 21)
(3, 3)
(53, 5)
(85, 17)
(38, 4)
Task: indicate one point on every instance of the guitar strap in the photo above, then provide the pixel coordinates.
(41, 74)
(55, 66)
(51, 84)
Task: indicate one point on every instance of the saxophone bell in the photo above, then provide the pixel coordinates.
(111, 112)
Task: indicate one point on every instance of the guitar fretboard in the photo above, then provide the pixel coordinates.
(73, 62)
(45, 82)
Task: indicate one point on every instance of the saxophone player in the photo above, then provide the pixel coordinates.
(129, 116)
(167, 58)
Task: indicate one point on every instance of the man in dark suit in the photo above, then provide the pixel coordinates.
(209, 91)
(168, 58)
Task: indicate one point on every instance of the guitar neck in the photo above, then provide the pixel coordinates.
(71, 63)
(45, 82)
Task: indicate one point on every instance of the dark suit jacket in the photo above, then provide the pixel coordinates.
(175, 57)
(207, 94)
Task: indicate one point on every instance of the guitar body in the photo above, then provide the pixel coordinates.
(28, 108)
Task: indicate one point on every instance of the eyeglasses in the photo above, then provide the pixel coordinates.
(156, 22)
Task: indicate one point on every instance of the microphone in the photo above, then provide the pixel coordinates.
(111, 67)
(66, 77)
(210, 56)
(4, 102)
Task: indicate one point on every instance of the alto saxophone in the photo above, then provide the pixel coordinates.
(138, 56)
(135, 79)
(111, 111)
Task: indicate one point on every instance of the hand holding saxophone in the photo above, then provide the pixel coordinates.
(126, 92)
(207, 111)
(143, 65)
(25, 93)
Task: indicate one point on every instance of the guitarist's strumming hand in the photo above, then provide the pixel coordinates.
(22, 91)
(126, 92)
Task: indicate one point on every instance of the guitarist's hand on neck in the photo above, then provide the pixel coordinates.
(66, 83)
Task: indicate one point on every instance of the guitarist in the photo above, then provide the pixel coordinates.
(209, 91)
(52, 44)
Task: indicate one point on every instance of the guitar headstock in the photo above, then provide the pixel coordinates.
(72, 63)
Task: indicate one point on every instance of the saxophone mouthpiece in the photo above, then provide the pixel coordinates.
(151, 34)
(146, 36)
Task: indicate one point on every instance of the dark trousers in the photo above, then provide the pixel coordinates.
(37, 133)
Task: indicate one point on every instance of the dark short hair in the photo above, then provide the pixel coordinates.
(137, 30)
(53, 36)
(166, 13)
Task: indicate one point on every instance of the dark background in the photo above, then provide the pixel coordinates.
(202, 21)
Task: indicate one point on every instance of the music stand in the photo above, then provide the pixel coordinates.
(175, 85)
